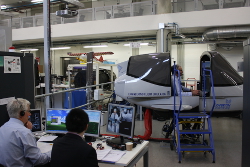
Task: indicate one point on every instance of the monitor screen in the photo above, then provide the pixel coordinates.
(35, 119)
(121, 120)
(94, 123)
(56, 119)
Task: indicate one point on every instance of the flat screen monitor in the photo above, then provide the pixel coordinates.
(35, 119)
(94, 123)
(121, 121)
(56, 121)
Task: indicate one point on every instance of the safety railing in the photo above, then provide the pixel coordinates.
(124, 10)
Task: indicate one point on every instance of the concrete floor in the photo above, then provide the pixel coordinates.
(227, 139)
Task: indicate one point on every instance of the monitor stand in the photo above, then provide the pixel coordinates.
(119, 141)
(89, 139)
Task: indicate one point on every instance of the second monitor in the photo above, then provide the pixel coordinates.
(121, 121)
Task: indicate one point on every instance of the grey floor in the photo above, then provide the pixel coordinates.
(227, 139)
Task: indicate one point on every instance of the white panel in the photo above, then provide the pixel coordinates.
(125, 1)
(97, 4)
(111, 2)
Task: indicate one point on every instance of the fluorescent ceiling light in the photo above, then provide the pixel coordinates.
(96, 46)
(59, 48)
(128, 44)
(3, 6)
(28, 50)
(36, 1)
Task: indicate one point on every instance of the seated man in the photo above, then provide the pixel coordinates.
(71, 149)
(175, 80)
(17, 143)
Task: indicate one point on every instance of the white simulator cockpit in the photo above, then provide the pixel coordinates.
(147, 83)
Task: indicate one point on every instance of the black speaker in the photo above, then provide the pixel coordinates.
(22, 113)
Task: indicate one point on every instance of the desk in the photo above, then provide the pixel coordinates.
(128, 160)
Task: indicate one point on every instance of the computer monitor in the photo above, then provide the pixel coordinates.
(56, 121)
(94, 123)
(121, 121)
(35, 119)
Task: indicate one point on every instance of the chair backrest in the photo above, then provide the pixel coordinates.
(191, 83)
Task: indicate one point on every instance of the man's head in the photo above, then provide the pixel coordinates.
(115, 111)
(77, 120)
(178, 67)
(125, 111)
(19, 109)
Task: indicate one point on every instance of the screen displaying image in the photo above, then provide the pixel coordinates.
(94, 123)
(121, 120)
(56, 121)
(35, 119)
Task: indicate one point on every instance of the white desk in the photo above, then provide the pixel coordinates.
(128, 160)
(131, 157)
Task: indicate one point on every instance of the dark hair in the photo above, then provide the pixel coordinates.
(176, 66)
(77, 120)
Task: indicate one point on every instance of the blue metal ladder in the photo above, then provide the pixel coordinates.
(203, 145)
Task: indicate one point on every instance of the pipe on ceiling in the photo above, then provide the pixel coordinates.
(226, 32)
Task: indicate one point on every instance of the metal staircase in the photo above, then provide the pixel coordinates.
(200, 137)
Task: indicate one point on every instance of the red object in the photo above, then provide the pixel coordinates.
(101, 59)
(38, 59)
(12, 47)
(147, 125)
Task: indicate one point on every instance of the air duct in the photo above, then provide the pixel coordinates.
(226, 32)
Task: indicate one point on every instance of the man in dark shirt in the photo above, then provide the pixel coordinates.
(71, 149)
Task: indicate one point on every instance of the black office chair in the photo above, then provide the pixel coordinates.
(1, 165)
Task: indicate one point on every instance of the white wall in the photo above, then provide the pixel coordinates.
(192, 60)
(97, 4)
(111, 2)
(125, 1)
(233, 56)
